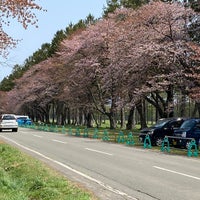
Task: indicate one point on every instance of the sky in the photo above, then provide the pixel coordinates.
(59, 15)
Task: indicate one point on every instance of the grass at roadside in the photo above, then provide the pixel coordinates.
(25, 178)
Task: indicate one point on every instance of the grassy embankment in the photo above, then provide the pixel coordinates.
(25, 178)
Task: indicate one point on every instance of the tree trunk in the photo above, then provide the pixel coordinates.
(88, 118)
(141, 110)
(68, 116)
(112, 119)
(183, 105)
(169, 108)
(130, 123)
(122, 116)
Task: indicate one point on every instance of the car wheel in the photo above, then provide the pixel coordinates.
(159, 142)
(0, 130)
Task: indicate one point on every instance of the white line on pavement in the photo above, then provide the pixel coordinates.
(175, 172)
(38, 136)
(74, 170)
(59, 141)
(99, 151)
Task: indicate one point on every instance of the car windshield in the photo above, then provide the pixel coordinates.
(160, 123)
(188, 124)
(8, 117)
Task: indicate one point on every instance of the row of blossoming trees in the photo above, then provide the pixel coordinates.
(116, 63)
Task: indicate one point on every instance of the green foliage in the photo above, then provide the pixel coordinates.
(112, 5)
(7, 84)
(133, 3)
(58, 37)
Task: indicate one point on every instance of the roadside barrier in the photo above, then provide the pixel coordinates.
(46, 128)
(77, 133)
(165, 145)
(95, 135)
(63, 130)
(51, 128)
(70, 131)
(121, 138)
(130, 139)
(85, 134)
(192, 149)
(147, 142)
(105, 136)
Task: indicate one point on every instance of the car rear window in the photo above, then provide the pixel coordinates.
(8, 117)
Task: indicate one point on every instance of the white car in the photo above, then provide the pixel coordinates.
(8, 121)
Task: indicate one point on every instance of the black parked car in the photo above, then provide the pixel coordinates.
(163, 127)
(189, 130)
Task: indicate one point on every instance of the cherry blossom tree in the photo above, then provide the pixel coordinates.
(154, 48)
(22, 11)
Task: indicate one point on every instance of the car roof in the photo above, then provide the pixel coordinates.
(18, 116)
(173, 119)
(8, 115)
(193, 119)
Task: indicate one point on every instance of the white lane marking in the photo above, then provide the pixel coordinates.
(38, 136)
(102, 152)
(59, 141)
(179, 173)
(74, 170)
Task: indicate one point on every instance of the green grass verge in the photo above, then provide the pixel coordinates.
(25, 178)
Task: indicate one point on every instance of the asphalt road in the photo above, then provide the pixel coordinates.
(113, 171)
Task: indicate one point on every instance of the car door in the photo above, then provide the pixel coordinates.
(196, 133)
(169, 130)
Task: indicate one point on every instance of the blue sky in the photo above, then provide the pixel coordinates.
(59, 15)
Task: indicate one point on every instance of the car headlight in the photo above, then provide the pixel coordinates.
(150, 132)
(184, 134)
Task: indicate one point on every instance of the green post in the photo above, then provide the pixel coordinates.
(55, 128)
(192, 146)
(147, 142)
(77, 132)
(51, 129)
(105, 136)
(85, 134)
(95, 135)
(120, 138)
(63, 130)
(165, 145)
(130, 140)
(70, 131)
(46, 128)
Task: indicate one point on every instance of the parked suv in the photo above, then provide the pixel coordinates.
(8, 121)
(163, 127)
(189, 130)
